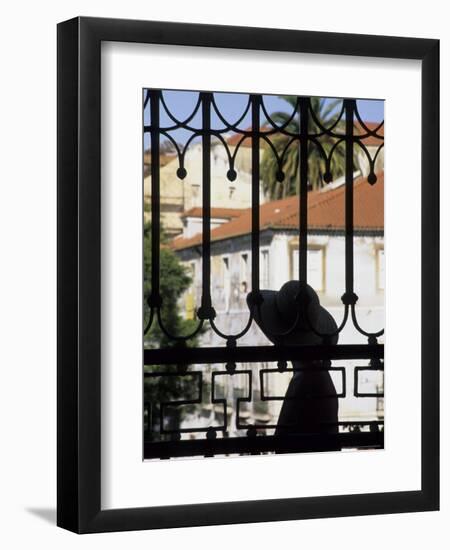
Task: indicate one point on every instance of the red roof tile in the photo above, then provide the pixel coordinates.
(234, 139)
(370, 140)
(326, 211)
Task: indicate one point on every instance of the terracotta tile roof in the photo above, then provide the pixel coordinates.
(216, 212)
(326, 212)
(371, 140)
(235, 138)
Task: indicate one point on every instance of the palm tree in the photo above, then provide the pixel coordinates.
(278, 184)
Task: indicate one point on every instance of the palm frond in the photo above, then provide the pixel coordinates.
(326, 112)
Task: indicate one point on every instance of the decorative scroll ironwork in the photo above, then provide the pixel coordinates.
(206, 104)
(342, 130)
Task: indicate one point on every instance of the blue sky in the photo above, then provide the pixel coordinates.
(232, 106)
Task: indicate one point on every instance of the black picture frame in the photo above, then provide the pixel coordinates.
(79, 280)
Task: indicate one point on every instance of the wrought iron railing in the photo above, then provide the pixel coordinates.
(342, 131)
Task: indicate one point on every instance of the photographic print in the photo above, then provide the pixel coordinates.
(221, 275)
(263, 279)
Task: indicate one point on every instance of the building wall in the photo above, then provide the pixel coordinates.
(229, 292)
(178, 196)
(227, 269)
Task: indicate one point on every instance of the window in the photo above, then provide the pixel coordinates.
(226, 282)
(316, 267)
(244, 273)
(264, 269)
(380, 268)
(195, 193)
(190, 294)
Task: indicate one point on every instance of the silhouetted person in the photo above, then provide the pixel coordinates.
(303, 410)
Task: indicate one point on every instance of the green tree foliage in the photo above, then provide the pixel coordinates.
(326, 113)
(174, 281)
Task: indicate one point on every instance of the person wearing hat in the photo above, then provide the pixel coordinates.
(293, 316)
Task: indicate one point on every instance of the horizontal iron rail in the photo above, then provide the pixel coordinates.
(263, 444)
(249, 354)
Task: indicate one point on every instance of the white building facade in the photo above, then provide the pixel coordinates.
(231, 282)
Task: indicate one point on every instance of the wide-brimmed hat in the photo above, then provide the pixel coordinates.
(295, 307)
